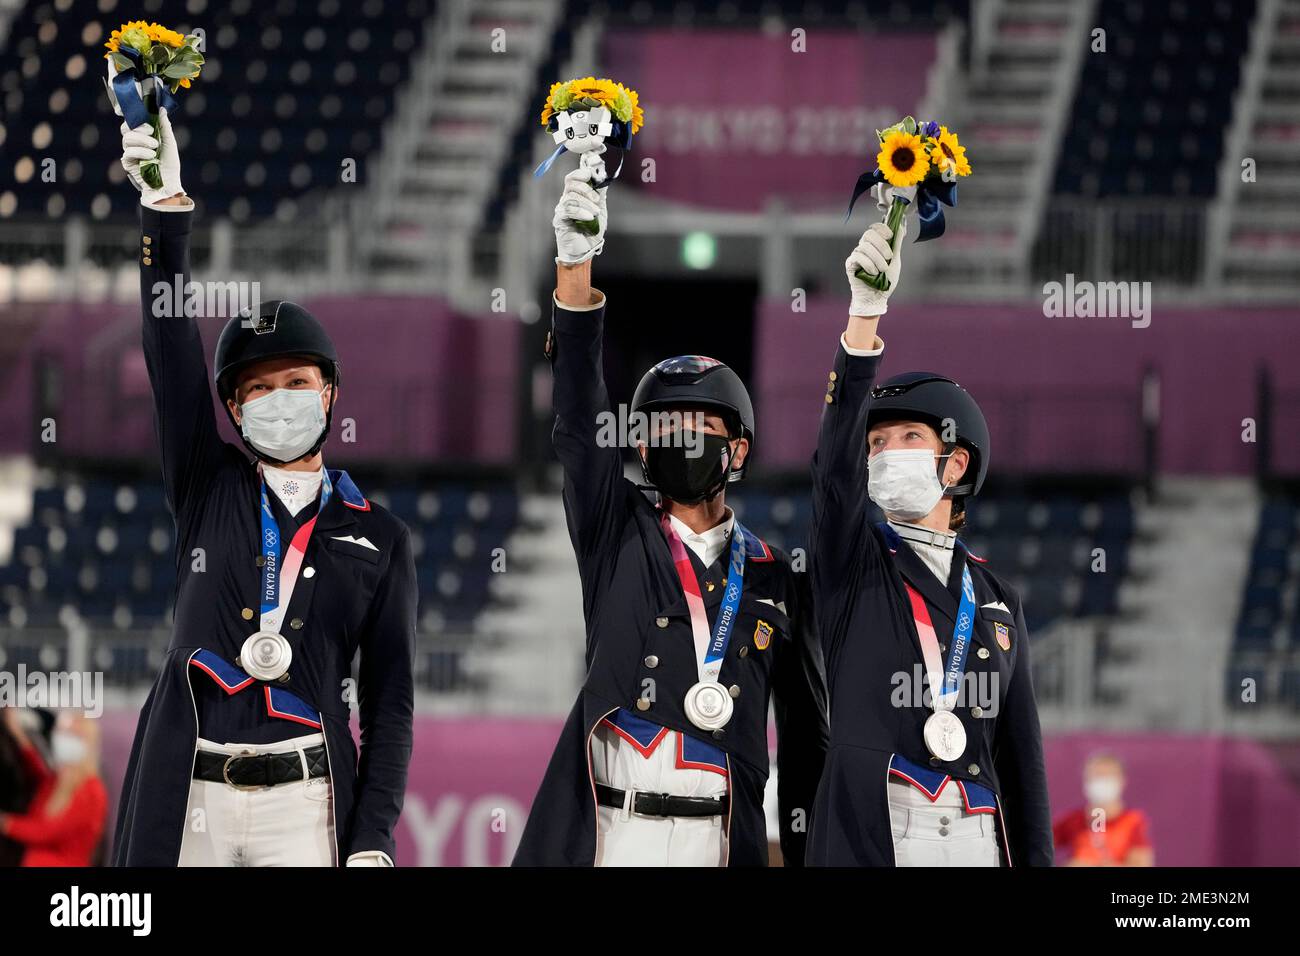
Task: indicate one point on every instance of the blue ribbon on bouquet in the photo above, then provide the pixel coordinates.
(931, 197)
(128, 97)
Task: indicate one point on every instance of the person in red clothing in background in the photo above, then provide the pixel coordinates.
(63, 823)
(1104, 832)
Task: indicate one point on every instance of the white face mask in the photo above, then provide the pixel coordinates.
(904, 482)
(285, 423)
(1102, 790)
(66, 748)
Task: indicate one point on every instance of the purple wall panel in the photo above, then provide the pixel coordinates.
(1061, 394)
(733, 117)
(421, 382)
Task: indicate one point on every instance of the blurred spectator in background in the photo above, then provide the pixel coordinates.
(15, 789)
(64, 821)
(1104, 832)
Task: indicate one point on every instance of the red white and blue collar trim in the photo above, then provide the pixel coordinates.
(645, 736)
(756, 548)
(346, 489)
(976, 797)
(281, 703)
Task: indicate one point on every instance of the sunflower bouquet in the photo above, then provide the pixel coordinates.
(586, 116)
(922, 162)
(147, 65)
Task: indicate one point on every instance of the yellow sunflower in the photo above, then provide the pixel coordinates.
(638, 117)
(602, 91)
(902, 159)
(556, 100)
(617, 98)
(115, 38)
(160, 34)
(945, 151)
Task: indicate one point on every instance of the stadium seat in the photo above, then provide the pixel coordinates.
(303, 80)
(104, 548)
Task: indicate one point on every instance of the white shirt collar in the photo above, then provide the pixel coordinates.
(296, 489)
(708, 545)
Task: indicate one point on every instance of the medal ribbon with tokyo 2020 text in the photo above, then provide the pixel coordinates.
(709, 651)
(277, 582)
(944, 683)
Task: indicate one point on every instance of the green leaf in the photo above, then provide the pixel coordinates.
(909, 124)
(122, 62)
(179, 71)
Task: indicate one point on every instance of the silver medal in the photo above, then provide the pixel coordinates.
(945, 737)
(266, 655)
(708, 705)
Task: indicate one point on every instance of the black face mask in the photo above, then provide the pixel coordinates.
(687, 479)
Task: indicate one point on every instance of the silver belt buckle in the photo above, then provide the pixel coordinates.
(225, 772)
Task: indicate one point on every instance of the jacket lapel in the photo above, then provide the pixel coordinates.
(715, 574)
(668, 589)
(336, 518)
(918, 574)
(954, 577)
(940, 601)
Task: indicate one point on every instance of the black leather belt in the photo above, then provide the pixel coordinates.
(662, 804)
(259, 770)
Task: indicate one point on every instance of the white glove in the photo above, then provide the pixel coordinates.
(139, 145)
(874, 254)
(369, 858)
(580, 201)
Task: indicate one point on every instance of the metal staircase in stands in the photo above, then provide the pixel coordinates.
(1255, 237)
(1025, 62)
(446, 142)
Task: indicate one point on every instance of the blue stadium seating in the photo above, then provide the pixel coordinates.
(292, 87)
(1042, 543)
(104, 547)
(1150, 112)
(1267, 635)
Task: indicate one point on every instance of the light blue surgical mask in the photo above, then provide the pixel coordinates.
(284, 424)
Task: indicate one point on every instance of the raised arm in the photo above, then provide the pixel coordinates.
(173, 350)
(593, 472)
(839, 518)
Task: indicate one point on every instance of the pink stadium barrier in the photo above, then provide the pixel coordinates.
(1212, 801)
(1061, 394)
(731, 113)
(420, 380)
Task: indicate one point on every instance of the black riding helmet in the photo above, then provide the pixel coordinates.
(280, 329)
(700, 381)
(937, 400)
